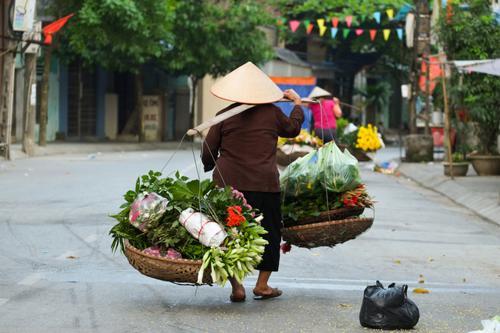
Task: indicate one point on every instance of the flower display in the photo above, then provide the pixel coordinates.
(304, 138)
(356, 198)
(235, 256)
(368, 138)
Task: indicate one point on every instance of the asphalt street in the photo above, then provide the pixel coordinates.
(57, 272)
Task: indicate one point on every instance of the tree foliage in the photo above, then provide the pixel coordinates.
(471, 33)
(117, 34)
(214, 37)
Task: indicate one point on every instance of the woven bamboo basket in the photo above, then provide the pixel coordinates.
(182, 271)
(334, 214)
(328, 233)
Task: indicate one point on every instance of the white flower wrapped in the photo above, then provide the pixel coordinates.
(209, 233)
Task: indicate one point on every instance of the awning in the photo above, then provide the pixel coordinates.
(490, 66)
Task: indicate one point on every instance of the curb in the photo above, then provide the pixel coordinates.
(490, 208)
(53, 149)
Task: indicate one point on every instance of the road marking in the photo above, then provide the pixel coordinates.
(67, 254)
(31, 279)
(91, 238)
(3, 301)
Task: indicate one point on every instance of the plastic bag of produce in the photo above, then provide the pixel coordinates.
(146, 209)
(338, 171)
(388, 309)
(209, 233)
(300, 176)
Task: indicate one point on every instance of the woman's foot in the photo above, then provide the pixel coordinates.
(266, 293)
(238, 294)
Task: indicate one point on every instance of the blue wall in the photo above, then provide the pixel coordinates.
(303, 91)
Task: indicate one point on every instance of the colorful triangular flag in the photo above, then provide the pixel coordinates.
(306, 23)
(387, 33)
(334, 32)
(390, 13)
(346, 32)
(310, 28)
(400, 33)
(322, 30)
(377, 17)
(294, 25)
(335, 22)
(373, 33)
(362, 18)
(348, 20)
(321, 22)
(359, 32)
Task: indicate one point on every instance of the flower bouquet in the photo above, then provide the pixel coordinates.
(360, 140)
(190, 219)
(289, 149)
(323, 187)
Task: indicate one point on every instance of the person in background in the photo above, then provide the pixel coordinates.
(325, 114)
(242, 152)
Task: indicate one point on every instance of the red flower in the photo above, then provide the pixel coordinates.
(234, 216)
(286, 247)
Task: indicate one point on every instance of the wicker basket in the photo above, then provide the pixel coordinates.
(166, 269)
(284, 159)
(328, 233)
(335, 214)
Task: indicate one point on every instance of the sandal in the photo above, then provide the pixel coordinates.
(275, 292)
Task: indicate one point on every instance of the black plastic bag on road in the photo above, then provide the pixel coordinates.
(388, 309)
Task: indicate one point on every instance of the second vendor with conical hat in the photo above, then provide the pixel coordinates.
(325, 114)
(242, 152)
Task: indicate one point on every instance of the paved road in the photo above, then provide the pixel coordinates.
(58, 274)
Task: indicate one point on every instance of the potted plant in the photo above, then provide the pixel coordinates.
(472, 33)
(459, 165)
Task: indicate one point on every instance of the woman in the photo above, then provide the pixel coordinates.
(325, 114)
(242, 152)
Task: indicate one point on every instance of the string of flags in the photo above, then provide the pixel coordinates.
(336, 30)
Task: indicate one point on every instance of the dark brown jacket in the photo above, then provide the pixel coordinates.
(244, 147)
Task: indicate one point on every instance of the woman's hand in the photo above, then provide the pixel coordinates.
(293, 96)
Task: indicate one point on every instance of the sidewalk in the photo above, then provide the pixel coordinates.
(479, 194)
(60, 148)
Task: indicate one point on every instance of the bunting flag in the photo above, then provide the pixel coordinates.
(346, 32)
(348, 20)
(400, 33)
(359, 32)
(322, 30)
(335, 22)
(373, 33)
(294, 25)
(387, 33)
(306, 23)
(54, 27)
(321, 22)
(390, 13)
(310, 28)
(377, 17)
(281, 21)
(334, 32)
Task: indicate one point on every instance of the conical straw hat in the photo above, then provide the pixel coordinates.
(319, 92)
(247, 84)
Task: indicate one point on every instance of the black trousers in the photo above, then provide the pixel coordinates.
(269, 204)
(326, 134)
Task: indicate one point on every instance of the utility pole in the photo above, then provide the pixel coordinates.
(29, 103)
(7, 60)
